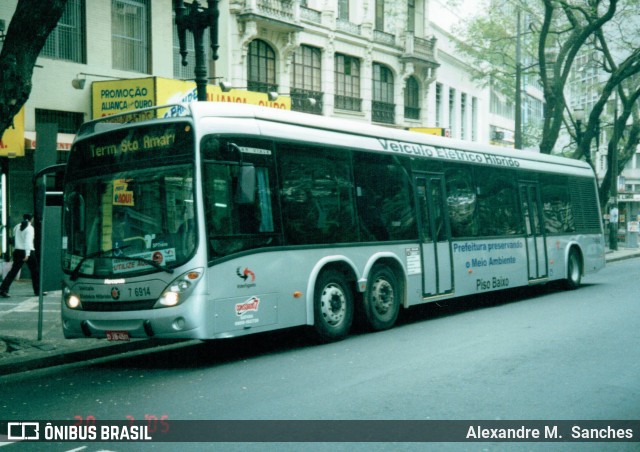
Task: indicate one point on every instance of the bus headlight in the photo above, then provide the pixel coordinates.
(170, 299)
(70, 299)
(177, 291)
(73, 302)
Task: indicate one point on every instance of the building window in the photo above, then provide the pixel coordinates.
(261, 69)
(438, 105)
(501, 106)
(379, 15)
(68, 40)
(347, 83)
(130, 34)
(412, 99)
(463, 116)
(383, 108)
(187, 72)
(452, 112)
(411, 16)
(67, 121)
(343, 9)
(474, 119)
(306, 80)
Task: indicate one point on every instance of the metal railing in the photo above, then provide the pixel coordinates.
(300, 101)
(412, 112)
(383, 112)
(348, 103)
(277, 9)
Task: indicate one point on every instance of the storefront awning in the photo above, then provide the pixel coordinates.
(63, 142)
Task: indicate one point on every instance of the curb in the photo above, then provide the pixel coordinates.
(621, 258)
(75, 356)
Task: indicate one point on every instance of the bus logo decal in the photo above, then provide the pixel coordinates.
(244, 274)
(251, 305)
(115, 293)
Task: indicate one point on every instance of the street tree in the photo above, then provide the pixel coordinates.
(30, 26)
(556, 33)
(618, 106)
(566, 28)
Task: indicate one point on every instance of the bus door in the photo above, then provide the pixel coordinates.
(534, 229)
(437, 274)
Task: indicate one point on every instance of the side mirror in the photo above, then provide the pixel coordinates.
(246, 189)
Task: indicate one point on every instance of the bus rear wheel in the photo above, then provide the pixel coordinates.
(333, 307)
(382, 299)
(574, 271)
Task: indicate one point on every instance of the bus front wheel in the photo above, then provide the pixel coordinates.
(382, 299)
(333, 306)
(574, 271)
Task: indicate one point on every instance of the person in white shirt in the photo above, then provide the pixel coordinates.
(24, 251)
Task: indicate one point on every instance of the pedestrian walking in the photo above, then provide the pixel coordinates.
(24, 251)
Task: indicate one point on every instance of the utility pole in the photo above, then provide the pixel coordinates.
(196, 19)
(613, 215)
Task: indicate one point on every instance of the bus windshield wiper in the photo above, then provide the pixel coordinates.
(75, 274)
(153, 263)
(76, 271)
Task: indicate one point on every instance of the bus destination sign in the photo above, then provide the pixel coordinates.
(128, 145)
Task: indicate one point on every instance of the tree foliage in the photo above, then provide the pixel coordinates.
(558, 31)
(30, 26)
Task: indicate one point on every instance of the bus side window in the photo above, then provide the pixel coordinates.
(385, 203)
(257, 217)
(498, 210)
(317, 195)
(461, 202)
(556, 204)
(423, 209)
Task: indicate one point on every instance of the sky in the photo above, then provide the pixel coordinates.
(447, 13)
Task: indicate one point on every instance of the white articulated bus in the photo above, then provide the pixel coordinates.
(214, 220)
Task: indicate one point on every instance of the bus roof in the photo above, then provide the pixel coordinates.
(358, 128)
(389, 139)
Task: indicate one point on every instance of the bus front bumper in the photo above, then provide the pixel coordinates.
(176, 326)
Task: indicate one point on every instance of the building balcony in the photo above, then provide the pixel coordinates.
(420, 50)
(300, 101)
(310, 15)
(383, 37)
(347, 103)
(348, 27)
(282, 15)
(383, 112)
(411, 112)
(261, 87)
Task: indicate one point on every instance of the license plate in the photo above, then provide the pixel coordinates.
(118, 336)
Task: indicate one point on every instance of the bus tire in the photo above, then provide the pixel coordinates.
(382, 298)
(574, 270)
(333, 307)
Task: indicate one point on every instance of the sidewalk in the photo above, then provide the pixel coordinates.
(20, 349)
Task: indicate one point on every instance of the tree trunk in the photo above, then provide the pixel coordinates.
(30, 26)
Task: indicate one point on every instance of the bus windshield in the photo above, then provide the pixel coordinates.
(129, 222)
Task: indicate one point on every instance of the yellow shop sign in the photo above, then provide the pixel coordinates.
(119, 96)
(12, 141)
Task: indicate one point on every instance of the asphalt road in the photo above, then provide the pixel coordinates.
(524, 355)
